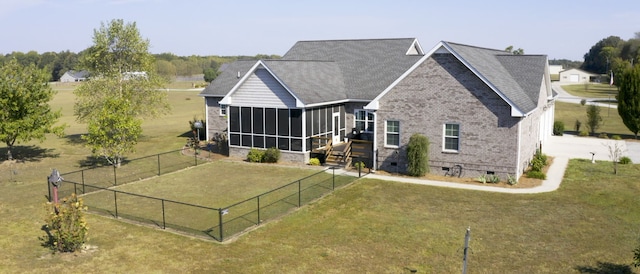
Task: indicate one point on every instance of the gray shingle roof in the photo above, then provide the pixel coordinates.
(517, 77)
(368, 66)
(228, 78)
(331, 70)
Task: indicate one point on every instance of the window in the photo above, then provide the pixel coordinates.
(392, 134)
(364, 121)
(451, 137)
(223, 110)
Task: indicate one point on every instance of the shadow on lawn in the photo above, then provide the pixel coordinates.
(93, 161)
(606, 268)
(29, 153)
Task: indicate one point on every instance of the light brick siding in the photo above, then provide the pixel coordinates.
(215, 122)
(442, 90)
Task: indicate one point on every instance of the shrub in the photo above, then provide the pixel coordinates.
(255, 155)
(511, 180)
(583, 133)
(418, 155)
(624, 160)
(271, 155)
(482, 178)
(583, 102)
(577, 125)
(494, 179)
(558, 128)
(616, 137)
(66, 228)
(539, 161)
(536, 174)
(314, 161)
(603, 135)
(359, 165)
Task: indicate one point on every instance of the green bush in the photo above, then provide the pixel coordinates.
(494, 179)
(583, 133)
(603, 135)
(624, 160)
(583, 102)
(511, 180)
(558, 128)
(482, 178)
(314, 161)
(67, 228)
(536, 174)
(255, 155)
(616, 137)
(418, 155)
(539, 161)
(359, 165)
(577, 125)
(271, 155)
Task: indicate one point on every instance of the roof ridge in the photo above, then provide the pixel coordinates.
(477, 47)
(362, 39)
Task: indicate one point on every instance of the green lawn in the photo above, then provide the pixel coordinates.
(590, 225)
(612, 124)
(592, 90)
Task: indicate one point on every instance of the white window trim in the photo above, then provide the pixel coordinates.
(444, 138)
(366, 119)
(223, 110)
(386, 144)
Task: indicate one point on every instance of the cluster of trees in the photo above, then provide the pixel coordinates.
(167, 65)
(612, 54)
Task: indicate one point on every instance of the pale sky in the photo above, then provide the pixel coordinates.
(561, 29)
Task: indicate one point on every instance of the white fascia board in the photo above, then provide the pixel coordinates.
(227, 99)
(415, 45)
(515, 112)
(328, 103)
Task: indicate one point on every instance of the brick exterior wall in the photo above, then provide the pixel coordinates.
(442, 90)
(215, 122)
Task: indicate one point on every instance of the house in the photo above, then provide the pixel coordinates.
(555, 69)
(74, 76)
(485, 111)
(577, 76)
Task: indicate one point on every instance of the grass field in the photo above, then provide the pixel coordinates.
(590, 225)
(612, 124)
(592, 90)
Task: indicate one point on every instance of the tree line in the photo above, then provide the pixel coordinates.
(612, 54)
(167, 65)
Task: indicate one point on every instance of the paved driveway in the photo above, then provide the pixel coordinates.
(571, 146)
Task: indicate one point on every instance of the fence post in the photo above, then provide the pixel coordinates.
(49, 187)
(195, 154)
(158, 164)
(259, 210)
(164, 223)
(115, 176)
(115, 202)
(299, 193)
(83, 190)
(333, 179)
(82, 174)
(220, 223)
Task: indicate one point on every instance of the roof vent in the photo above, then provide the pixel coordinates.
(238, 75)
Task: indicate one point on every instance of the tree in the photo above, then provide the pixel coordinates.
(629, 98)
(594, 120)
(596, 61)
(122, 89)
(418, 155)
(24, 101)
(518, 51)
(112, 134)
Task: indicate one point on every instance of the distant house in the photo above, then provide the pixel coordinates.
(74, 76)
(555, 69)
(484, 111)
(575, 75)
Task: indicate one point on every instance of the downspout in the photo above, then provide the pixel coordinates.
(206, 117)
(375, 142)
(519, 148)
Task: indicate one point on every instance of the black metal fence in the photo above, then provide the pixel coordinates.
(208, 222)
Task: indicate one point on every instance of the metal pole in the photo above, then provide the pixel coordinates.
(220, 223)
(259, 210)
(299, 194)
(115, 202)
(115, 176)
(49, 187)
(333, 179)
(467, 238)
(164, 223)
(158, 164)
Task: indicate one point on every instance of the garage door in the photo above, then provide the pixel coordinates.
(574, 78)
